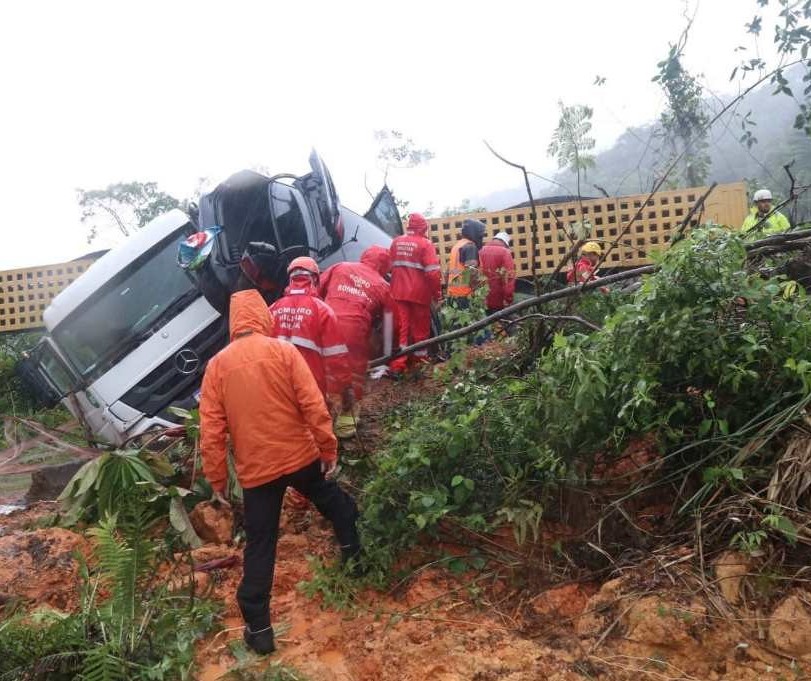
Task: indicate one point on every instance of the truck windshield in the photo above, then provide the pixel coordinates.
(126, 310)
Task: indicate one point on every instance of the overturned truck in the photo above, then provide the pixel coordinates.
(130, 338)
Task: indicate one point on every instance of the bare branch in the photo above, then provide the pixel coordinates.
(533, 215)
(555, 318)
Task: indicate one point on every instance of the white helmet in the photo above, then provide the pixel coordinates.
(503, 236)
(762, 195)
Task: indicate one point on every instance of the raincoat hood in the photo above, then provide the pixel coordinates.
(417, 224)
(249, 313)
(473, 230)
(378, 259)
(302, 285)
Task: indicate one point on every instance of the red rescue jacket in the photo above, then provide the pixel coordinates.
(415, 275)
(582, 271)
(496, 263)
(354, 289)
(306, 321)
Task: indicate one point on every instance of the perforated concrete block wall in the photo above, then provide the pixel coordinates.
(25, 293)
(660, 217)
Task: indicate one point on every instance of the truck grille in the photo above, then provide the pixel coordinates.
(178, 377)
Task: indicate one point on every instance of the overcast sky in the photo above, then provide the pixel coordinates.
(101, 92)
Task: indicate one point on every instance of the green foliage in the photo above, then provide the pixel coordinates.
(792, 40)
(14, 397)
(129, 626)
(98, 487)
(685, 121)
(748, 542)
(700, 352)
(44, 645)
(127, 479)
(571, 139)
(335, 586)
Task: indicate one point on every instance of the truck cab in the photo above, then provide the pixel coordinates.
(131, 337)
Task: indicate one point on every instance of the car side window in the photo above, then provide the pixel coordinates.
(290, 222)
(384, 213)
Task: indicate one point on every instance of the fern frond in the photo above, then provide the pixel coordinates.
(102, 664)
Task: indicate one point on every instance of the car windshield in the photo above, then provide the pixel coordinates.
(130, 307)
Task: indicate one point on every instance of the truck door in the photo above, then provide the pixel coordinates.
(384, 213)
(46, 375)
(319, 192)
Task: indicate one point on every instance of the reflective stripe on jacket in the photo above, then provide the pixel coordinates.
(306, 321)
(261, 393)
(458, 277)
(415, 275)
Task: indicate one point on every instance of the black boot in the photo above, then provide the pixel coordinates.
(261, 641)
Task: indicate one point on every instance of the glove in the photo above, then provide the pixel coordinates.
(328, 468)
(218, 499)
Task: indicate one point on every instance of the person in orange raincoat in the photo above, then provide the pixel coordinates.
(261, 392)
(359, 295)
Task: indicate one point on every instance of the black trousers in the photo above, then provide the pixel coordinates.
(263, 507)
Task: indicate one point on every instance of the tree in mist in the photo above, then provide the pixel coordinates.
(571, 140)
(398, 150)
(684, 123)
(127, 206)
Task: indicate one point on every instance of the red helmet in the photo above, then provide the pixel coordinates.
(378, 259)
(304, 263)
(417, 223)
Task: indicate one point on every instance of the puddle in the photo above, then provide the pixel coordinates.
(6, 509)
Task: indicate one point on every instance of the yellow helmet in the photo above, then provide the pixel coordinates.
(592, 247)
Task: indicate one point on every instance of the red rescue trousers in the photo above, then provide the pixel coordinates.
(356, 331)
(414, 325)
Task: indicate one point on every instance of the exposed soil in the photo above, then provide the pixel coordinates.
(658, 621)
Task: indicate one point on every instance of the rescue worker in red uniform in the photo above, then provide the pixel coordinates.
(463, 263)
(303, 319)
(415, 284)
(360, 297)
(584, 268)
(498, 267)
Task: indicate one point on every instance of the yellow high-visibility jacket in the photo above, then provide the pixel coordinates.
(776, 223)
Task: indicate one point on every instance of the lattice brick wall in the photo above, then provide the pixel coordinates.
(25, 293)
(661, 216)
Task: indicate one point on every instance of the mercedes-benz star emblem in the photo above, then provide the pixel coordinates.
(187, 361)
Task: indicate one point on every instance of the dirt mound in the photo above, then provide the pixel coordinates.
(41, 567)
(213, 522)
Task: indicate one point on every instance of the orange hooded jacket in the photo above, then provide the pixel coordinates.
(261, 392)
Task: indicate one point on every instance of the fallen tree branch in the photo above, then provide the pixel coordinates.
(696, 206)
(776, 240)
(517, 307)
(533, 216)
(555, 318)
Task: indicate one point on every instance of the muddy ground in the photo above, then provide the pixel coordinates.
(663, 619)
